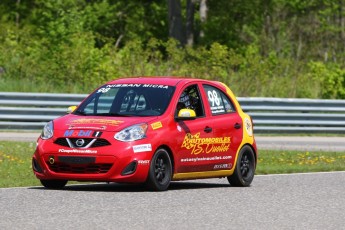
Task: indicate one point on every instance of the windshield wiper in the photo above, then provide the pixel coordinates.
(78, 112)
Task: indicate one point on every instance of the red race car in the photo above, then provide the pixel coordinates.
(150, 130)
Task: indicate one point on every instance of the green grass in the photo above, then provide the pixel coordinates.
(29, 86)
(16, 170)
(15, 164)
(272, 162)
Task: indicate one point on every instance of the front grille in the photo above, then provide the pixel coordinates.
(76, 160)
(58, 167)
(61, 141)
(97, 142)
(100, 143)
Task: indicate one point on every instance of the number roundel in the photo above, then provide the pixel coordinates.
(213, 97)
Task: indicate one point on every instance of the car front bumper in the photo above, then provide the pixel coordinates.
(115, 163)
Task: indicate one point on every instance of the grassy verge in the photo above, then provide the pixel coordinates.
(16, 170)
(15, 164)
(29, 86)
(272, 162)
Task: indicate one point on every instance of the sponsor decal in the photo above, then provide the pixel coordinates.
(143, 162)
(97, 134)
(77, 151)
(248, 126)
(142, 148)
(87, 127)
(222, 166)
(215, 101)
(199, 145)
(132, 85)
(123, 85)
(156, 86)
(215, 158)
(82, 133)
(156, 125)
(96, 122)
(103, 90)
(77, 133)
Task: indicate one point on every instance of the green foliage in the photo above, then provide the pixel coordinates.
(248, 74)
(234, 23)
(331, 79)
(273, 48)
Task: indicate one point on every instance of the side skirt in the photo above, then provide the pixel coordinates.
(201, 175)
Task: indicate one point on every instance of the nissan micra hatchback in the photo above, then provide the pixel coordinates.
(149, 130)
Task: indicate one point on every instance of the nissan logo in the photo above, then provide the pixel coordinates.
(79, 142)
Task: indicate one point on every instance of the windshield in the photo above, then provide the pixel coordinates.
(127, 100)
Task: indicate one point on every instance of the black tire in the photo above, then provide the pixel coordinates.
(160, 172)
(54, 184)
(245, 168)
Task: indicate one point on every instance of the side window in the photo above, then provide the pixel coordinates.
(190, 99)
(218, 101)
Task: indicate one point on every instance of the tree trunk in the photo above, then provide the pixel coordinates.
(190, 23)
(175, 21)
(203, 15)
(17, 13)
(342, 19)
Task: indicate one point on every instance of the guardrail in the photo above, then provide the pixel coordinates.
(30, 111)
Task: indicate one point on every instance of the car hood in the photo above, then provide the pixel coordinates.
(110, 124)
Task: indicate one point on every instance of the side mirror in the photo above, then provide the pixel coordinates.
(71, 109)
(186, 114)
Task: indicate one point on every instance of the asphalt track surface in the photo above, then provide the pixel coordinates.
(294, 201)
(305, 143)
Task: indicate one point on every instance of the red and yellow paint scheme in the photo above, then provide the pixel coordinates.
(150, 130)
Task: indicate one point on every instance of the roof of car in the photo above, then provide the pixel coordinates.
(160, 80)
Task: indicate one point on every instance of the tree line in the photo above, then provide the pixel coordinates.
(271, 48)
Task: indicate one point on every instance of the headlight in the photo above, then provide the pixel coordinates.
(47, 131)
(132, 133)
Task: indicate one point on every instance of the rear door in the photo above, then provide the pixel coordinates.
(226, 127)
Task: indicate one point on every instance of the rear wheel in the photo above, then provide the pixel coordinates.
(160, 171)
(54, 184)
(245, 168)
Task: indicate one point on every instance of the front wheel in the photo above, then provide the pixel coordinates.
(244, 169)
(54, 184)
(160, 171)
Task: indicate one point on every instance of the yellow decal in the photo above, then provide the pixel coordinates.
(248, 126)
(97, 122)
(206, 174)
(205, 145)
(156, 125)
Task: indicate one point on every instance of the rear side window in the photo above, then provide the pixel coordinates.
(219, 103)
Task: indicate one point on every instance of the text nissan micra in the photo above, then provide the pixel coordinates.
(149, 130)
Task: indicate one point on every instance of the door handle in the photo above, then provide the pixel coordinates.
(207, 129)
(237, 126)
